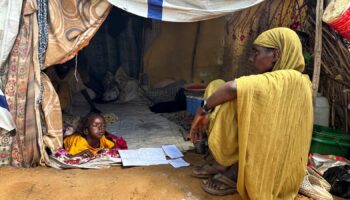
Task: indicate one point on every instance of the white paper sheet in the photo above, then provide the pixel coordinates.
(143, 157)
(172, 151)
(179, 162)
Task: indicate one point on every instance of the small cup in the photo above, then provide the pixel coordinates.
(200, 146)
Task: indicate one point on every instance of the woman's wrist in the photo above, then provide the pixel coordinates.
(205, 108)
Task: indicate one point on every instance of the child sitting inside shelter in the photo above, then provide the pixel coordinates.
(93, 139)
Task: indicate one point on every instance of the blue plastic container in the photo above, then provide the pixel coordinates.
(193, 103)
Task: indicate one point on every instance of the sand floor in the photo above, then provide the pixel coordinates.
(135, 183)
(116, 183)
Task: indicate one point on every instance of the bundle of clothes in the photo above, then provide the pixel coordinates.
(119, 87)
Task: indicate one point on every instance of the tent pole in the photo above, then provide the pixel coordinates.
(194, 52)
(317, 48)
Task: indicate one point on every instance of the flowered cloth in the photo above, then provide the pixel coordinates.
(103, 159)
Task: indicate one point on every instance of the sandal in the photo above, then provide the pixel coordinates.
(232, 189)
(313, 188)
(209, 170)
(324, 183)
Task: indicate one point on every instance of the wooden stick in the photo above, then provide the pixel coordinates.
(194, 52)
(318, 48)
(346, 91)
(333, 107)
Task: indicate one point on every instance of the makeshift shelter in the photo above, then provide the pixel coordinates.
(335, 67)
(52, 32)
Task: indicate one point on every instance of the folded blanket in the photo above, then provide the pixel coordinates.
(60, 160)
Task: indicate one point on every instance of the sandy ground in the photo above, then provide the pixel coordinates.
(136, 183)
(116, 183)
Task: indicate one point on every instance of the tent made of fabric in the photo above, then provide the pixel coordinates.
(31, 98)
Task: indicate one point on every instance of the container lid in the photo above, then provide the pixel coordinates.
(329, 133)
(195, 87)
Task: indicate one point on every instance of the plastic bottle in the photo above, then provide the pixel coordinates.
(321, 111)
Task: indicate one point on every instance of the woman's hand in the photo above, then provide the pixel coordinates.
(199, 125)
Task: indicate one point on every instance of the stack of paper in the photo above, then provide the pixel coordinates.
(143, 157)
(153, 156)
(172, 151)
(179, 162)
(175, 154)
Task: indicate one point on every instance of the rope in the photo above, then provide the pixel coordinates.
(43, 39)
(76, 68)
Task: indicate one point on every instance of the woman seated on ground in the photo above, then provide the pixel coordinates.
(92, 140)
(261, 124)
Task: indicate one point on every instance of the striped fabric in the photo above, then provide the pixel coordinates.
(183, 10)
(6, 121)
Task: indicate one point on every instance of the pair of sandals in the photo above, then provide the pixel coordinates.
(315, 186)
(216, 178)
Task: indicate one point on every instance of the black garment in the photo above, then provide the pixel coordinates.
(171, 106)
(339, 178)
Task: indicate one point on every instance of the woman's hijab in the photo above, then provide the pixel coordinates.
(289, 45)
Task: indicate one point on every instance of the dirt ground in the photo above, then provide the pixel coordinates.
(116, 183)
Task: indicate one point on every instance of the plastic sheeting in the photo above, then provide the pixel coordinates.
(10, 12)
(6, 121)
(183, 10)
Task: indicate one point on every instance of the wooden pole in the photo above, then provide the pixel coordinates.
(318, 48)
(194, 52)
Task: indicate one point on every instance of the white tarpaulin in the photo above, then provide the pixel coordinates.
(6, 121)
(10, 12)
(183, 10)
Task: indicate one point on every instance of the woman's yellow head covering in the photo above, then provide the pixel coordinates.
(289, 45)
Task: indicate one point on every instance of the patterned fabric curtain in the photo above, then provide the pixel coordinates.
(71, 26)
(19, 91)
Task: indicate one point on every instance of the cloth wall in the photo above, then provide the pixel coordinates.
(20, 91)
(244, 26)
(223, 44)
(192, 52)
(118, 43)
(71, 26)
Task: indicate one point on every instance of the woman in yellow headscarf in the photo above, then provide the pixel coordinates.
(262, 122)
